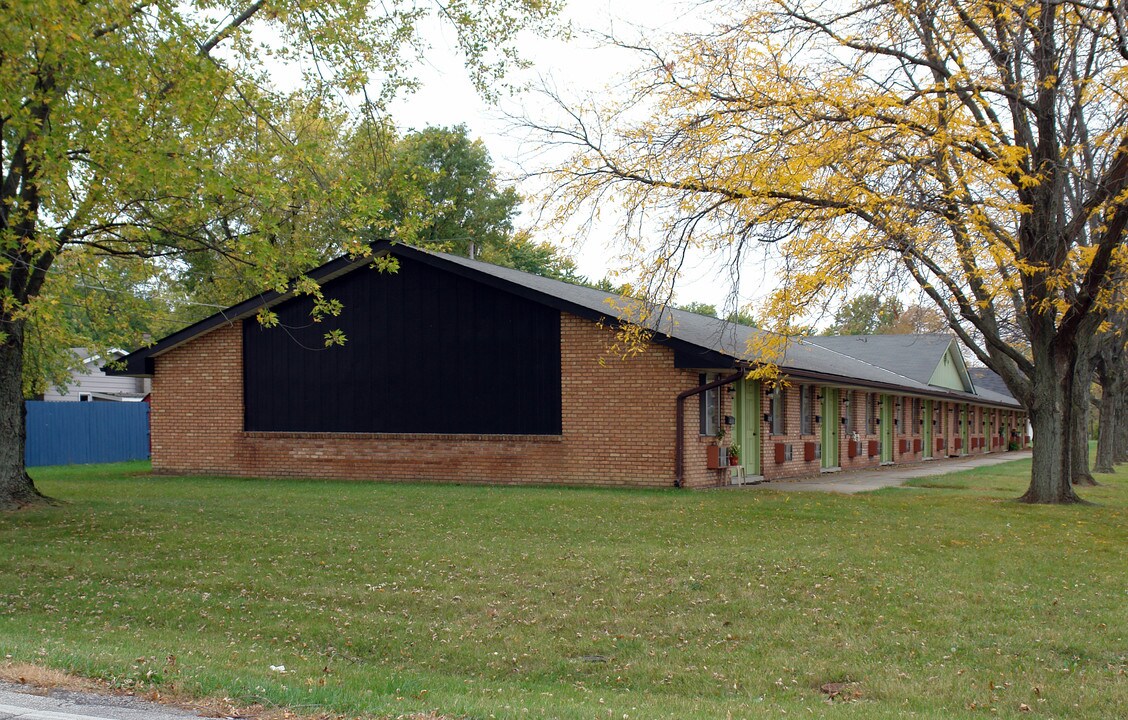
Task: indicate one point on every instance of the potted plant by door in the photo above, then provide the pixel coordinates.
(734, 454)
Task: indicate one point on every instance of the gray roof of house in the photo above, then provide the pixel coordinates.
(906, 361)
(712, 338)
(987, 379)
(914, 356)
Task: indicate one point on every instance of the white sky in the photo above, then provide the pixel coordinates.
(575, 68)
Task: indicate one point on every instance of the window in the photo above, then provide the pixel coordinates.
(710, 405)
(848, 410)
(778, 426)
(805, 409)
(871, 412)
(914, 428)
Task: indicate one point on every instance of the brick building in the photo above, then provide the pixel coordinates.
(459, 371)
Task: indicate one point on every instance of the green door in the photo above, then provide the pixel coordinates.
(830, 428)
(926, 430)
(748, 424)
(886, 428)
(965, 428)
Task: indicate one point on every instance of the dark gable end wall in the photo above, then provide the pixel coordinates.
(426, 352)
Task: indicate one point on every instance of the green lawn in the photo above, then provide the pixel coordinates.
(934, 602)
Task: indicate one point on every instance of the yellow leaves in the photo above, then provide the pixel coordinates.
(385, 264)
(267, 318)
(851, 162)
(334, 337)
(631, 335)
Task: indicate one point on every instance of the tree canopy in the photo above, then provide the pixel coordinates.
(976, 146)
(865, 314)
(150, 130)
(870, 314)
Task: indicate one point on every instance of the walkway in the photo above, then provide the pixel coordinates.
(856, 481)
(19, 702)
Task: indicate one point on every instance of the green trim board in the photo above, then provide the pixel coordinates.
(829, 428)
(886, 429)
(747, 430)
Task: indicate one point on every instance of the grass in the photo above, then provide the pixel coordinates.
(386, 600)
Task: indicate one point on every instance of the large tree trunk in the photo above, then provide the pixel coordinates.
(1079, 427)
(16, 487)
(1107, 432)
(1120, 383)
(1112, 412)
(1120, 446)
(1052, 419)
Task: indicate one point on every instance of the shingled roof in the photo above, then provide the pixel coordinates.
(914, 356)
(988, 381)
(698, 341)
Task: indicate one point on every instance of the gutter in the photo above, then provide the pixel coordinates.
(679, 440)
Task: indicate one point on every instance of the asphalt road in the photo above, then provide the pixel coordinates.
(19, 701)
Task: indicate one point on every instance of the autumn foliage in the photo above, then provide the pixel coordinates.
(977, 148)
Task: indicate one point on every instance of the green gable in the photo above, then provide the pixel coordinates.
(951, 372)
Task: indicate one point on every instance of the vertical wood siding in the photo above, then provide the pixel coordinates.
(426, 352)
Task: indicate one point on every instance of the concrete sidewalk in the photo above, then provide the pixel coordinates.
(856, 481)
(21, 702)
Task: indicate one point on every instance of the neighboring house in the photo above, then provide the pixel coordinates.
(90, 383)
(459, 371)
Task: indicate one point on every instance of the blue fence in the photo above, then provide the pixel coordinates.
(75, 433)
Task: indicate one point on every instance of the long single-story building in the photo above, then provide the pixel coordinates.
(459, 371)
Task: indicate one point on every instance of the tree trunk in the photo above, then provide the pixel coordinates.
(1052, 419)
(16, 487)
(1112, 413)
(1079, 427)
(1120, 383)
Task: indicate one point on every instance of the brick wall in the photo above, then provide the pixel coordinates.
(792, 434)
(907, 432)
(618, 425)
(856, 431)
(196, 410)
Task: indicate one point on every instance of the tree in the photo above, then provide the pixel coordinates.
(1111, 363)
(435, 188)
(97, 303)
(742, 317)
(917, 319)
(700, 308)
(443, 184)
(134, 129)
(866, 314)
(521, 252)
(443, 193)
(978, 146)
(309, 218)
